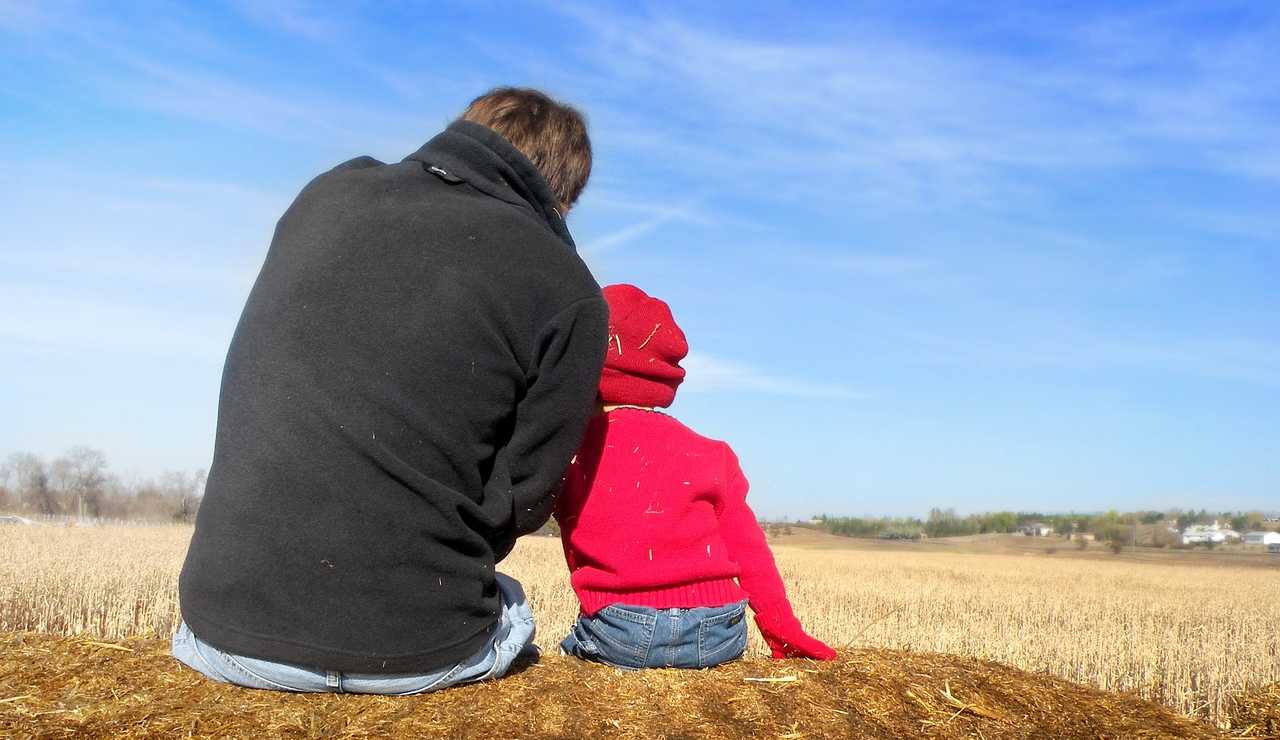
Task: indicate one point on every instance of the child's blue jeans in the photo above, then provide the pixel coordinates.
(634, 637)
(512, 636)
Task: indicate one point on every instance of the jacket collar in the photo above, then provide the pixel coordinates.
(489, 163)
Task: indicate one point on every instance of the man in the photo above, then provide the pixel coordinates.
(411, 374)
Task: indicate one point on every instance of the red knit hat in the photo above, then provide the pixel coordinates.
(642, 366)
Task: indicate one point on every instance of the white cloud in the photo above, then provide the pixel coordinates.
(868, 264)
(42, 318)
(135, 231)
(20, 16)
(874, 116)
(1035, 340)
(712, 374)
(291, 17)
(172, 67)
(631, 232)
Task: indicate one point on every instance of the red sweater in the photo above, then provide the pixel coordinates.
(653, 514)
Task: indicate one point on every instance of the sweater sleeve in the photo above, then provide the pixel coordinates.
(758, 574)
(741, 534)
(550, 419)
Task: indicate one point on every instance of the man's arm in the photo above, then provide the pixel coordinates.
(551, 417)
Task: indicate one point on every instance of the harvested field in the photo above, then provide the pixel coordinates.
(64, 687)
(1186, 636)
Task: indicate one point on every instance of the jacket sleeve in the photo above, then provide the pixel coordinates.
(758, 573)
(551, 418)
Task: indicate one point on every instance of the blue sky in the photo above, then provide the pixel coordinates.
(1016, 256)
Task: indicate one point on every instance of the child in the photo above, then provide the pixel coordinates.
(654, 520)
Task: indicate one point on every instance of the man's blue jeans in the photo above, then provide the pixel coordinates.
(641, 637)
(512, 635)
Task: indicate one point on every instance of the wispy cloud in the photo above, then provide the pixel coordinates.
(867, 264)
(293, 17)
(905, 120)
(657, 217)
(297, 114)
(40, 318)
(1035, 342)
(143, 255)
(713, 374)
(231, 277)
(168, 66)
(18, 15)
(338, 31)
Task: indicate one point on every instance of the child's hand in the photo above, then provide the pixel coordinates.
(800, 646)
(787, 639)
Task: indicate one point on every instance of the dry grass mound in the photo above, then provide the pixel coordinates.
(1257, 713)
(61, 687)
(1178, 635)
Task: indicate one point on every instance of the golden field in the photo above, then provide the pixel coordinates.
(1188, 635)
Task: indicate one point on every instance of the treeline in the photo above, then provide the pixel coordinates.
(1108, 526)
(1240, 521)
(939, 523)
(79, 483)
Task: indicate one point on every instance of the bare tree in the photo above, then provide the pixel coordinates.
(185, 490)
(31, 478)
(191, 504)
(58, 477)
(81, 475)
(79, 482)
(6, 474)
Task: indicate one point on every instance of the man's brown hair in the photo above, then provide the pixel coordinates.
(551, 134)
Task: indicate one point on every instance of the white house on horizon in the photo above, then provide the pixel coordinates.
(1201, 534)
(1262, 538)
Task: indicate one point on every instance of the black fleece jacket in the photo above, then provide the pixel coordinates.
(411, 374)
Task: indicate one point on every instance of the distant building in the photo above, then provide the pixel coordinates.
(1207, 534)
(1035, 529)
(1262, 538)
